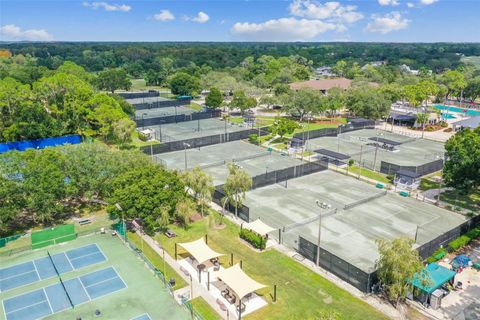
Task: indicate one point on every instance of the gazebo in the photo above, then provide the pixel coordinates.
(240, 283)
(259, 227)
(201, 252)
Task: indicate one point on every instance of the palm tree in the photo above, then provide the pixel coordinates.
(422, 118)
(200, 185)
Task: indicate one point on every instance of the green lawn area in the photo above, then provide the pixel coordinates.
(139, 143)
(195, 106)
(301, 293)
(140, 84)
(380, 177)
(236, 120)
(204, 309)
(157, 260)
(475, 60)
(469, 201)
(426, 184)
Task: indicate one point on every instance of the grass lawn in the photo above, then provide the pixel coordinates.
(195, 106)
(380, 177)
(475, 60)
(426, 184)
(157, 260)
(139, 143)
(140, 85)
(204, 309)
(301, 293)
(236, 120)
(469, 201)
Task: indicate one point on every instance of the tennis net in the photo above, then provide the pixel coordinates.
(253, 156)
(308, 220)
(362, 201)
(60, 278)
(213, 164)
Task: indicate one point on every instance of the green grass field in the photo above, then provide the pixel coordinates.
(380, 177)
(475, 60)
(302, 294)
(204, 309)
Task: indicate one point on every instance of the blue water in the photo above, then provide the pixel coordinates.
(468, 112)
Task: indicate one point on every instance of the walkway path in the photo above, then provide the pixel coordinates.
(194, 289)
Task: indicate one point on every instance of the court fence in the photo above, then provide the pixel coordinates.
(280, 176)
(356, 277)
(39, 143)
(301, 137)
(4, 241)
(53, 235)
(161, 104)
(145, 122)
(203, 141)
(424, 169)
(139, 94)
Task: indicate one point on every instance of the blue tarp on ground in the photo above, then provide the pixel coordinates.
(39, 143)
(436, 275)
(460, 261)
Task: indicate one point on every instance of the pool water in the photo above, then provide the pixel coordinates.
(468, 112)
(448, 116)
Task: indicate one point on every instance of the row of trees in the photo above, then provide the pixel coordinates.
(62, 101)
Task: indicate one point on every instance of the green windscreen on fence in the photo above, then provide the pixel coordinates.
(54, 235)
(121, 228)
(4, 241)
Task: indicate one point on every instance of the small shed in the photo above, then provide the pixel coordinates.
(431, 278)
(407, 179)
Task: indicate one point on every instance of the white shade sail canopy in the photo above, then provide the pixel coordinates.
(238, 281)
(200, 250)
(259, 227)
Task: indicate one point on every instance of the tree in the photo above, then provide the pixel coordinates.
(422, 119)
(185, 210)
(183, 84)
(335, 100)
(242, 101)
(237, 184)
(142, 190)
(462, 165)
(368, 103)
(123, 129)
(283, 126)
(200, 185)
(214, 99)
(398, 262)
(454, 81)
(113, 79)
(472, 90)
(302, 102)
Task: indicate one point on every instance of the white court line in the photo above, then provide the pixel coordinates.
(121, 279)
(36, 270)
(48, 300)
(17, 275)
(29, 306)
(69, 262)
(84, 289)
(142, 315)
(99, 282)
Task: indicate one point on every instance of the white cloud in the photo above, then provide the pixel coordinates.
(410, 5)
(284, 29)
(164, 15)
(107, 6)
(390, 22)
(13, 32)
(428, 2)
(201, 17)
(388, 2)
(333, 11)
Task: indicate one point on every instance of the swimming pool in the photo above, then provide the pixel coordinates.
(465, 111)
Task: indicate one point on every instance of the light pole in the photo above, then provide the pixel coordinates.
(185, 146)
(143, 120)
(322, 205)
(119, 208)
(160, 130)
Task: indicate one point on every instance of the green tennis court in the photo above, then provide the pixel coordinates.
(99, 274)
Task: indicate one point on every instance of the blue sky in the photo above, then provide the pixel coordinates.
(239, 20)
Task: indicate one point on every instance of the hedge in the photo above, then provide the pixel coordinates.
(437, 255)
(256, 240)
(459, 242)
(456, 244)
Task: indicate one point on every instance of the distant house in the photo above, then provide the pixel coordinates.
(406, 68)
(374, 64)
(324, 72)
(322, 85)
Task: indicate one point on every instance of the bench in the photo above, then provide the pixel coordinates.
(84, 222)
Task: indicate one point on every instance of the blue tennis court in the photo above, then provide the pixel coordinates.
(142, 317)
(32, 271)
(52, 299)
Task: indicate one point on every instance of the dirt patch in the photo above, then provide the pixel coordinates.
(327, 121)
(196, 217)
(219, 226)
